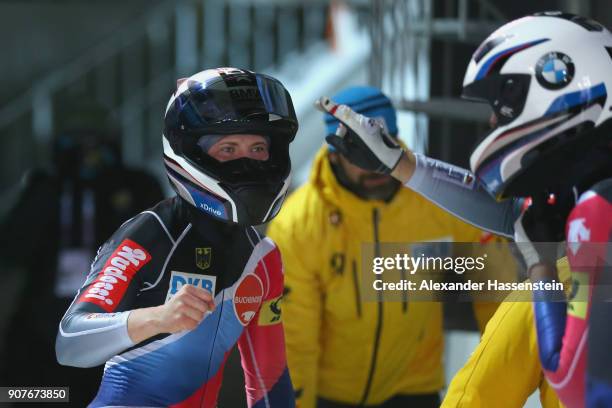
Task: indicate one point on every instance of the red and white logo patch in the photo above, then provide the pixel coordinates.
(116, 274)
(247, 298)
(577, 233)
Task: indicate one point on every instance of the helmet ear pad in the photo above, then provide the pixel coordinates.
(505, 93)
(512, 96)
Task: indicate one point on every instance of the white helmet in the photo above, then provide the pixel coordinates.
(547, 78)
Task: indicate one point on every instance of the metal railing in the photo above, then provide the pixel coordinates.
(401, 34)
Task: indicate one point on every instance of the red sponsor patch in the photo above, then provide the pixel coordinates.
(115, 276)
(247, 298)
(588, 229)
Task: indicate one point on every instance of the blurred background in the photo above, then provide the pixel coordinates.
(84, 86)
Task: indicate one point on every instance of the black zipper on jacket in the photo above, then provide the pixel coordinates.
(404, 293)
(379, 321)
(357, 292)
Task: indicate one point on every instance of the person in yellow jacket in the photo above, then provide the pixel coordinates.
(342, 351)
(505, 370)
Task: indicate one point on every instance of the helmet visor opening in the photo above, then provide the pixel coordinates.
(242, 170)
(505, 93)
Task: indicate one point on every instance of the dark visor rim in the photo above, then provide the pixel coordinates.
(237, 99)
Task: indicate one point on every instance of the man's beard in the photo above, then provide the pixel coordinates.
(365, 188)
(383, 190)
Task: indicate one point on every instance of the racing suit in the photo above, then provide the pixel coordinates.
(599, 365)
(588, 231)
(144, 264)
(561, 326)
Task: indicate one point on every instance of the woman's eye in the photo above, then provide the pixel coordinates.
(227, 149)
(259, 149)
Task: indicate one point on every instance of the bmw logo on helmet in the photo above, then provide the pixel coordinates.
(555, 70)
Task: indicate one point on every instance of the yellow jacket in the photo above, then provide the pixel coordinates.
(340, 347)
(505, 369)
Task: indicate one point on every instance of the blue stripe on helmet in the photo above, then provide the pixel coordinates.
(486, 67)
(577, 98)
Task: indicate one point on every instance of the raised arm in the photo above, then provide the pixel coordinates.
(364, 142)
(457, 191)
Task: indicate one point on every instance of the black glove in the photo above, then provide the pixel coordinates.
(362, 140)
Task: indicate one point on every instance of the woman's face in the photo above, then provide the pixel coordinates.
(238, 146)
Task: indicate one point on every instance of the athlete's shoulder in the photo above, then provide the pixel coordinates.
(596, 199)
(602, 189)
(266, 262)
(263, 246)
(162, 221)
(591, 219)
(138, 248)
(149, 231)
(270, 248)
